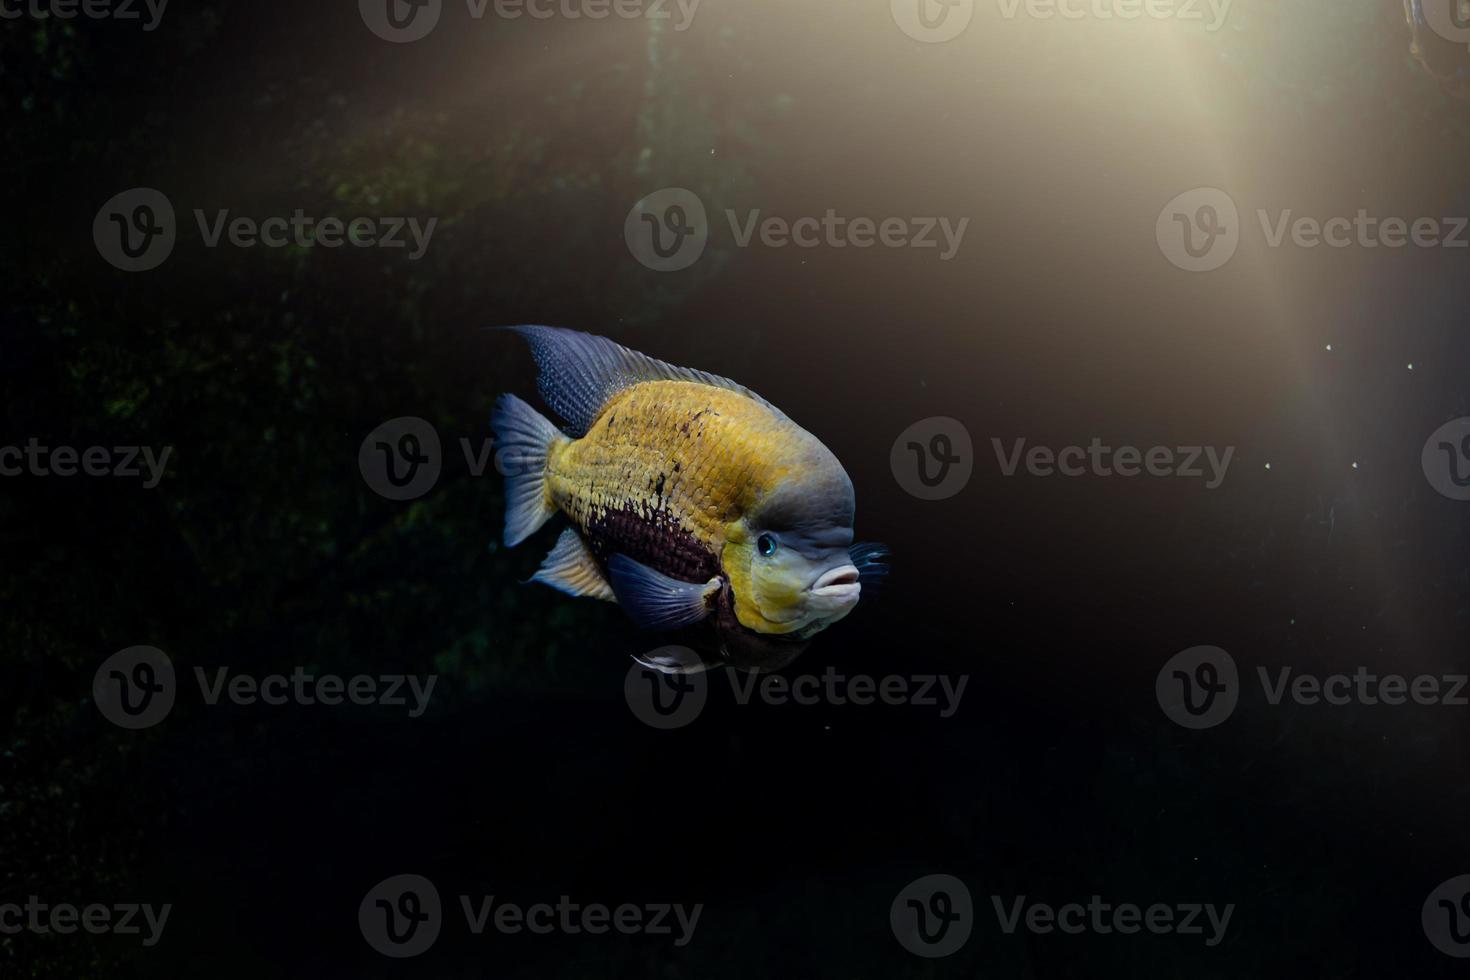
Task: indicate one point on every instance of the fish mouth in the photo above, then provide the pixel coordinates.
(838, 583)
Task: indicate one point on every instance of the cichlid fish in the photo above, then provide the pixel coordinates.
(691, 498)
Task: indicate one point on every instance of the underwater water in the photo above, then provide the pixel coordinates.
(1139, 331)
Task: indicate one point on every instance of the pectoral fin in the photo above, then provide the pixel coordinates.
(655, 601)
(571, 568)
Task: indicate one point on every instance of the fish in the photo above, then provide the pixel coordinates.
(1438, 31)
(689, 498)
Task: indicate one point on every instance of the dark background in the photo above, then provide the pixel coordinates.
(795, 826)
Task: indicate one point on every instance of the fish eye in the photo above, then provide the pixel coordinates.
(766, 545)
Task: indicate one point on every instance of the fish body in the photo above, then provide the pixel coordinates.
(689, 496)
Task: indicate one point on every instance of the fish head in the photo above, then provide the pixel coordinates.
(789, 559)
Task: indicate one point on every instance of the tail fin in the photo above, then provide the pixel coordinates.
(523, 437)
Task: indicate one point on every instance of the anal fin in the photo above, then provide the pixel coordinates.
(570, 567)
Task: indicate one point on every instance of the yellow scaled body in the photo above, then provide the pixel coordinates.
(682, 451)
(727, 448)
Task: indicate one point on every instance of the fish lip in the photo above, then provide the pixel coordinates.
(837, 583)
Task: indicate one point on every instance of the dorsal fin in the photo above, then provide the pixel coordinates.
(580, 372)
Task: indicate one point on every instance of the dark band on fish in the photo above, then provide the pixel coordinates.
(658, 542)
